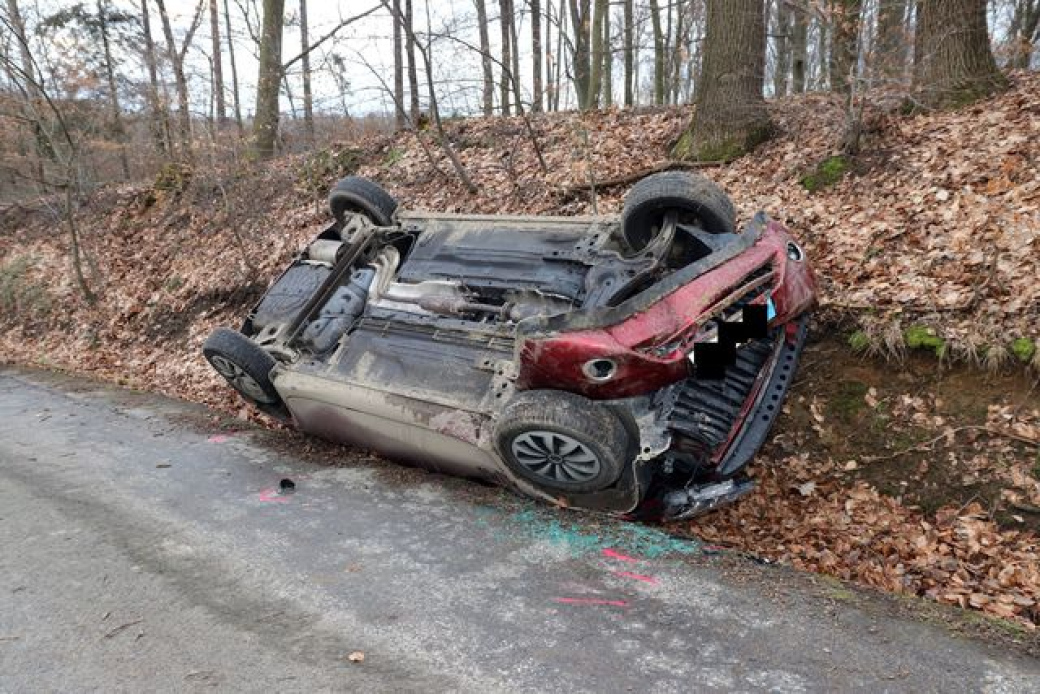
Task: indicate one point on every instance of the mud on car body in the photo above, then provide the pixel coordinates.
(555, 355)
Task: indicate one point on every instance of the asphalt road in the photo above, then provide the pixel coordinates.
(144, 547)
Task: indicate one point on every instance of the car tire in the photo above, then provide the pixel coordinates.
(689, 194)
(562, 442)
(356, 194)
(244, 364)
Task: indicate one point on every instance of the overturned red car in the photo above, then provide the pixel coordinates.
(631, 365)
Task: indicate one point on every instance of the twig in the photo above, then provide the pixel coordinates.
(633, 177)
(589, 168)
(121, 627)
(929, 444)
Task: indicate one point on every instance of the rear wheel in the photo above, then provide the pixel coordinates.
(693, 197)
(356, 194)
(243, 364)
(562, 442)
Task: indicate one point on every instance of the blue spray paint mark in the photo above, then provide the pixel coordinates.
(580, 539)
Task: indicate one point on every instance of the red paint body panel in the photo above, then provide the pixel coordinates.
(555, 361)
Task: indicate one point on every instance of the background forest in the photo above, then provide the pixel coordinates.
(110, 90)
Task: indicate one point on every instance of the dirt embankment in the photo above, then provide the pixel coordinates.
(904, 475)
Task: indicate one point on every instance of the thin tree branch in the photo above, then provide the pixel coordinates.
(195, 21)
(329, 35)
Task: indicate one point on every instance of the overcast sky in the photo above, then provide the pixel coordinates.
(365, 47)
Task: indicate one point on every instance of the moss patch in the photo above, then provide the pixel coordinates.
(1024, 349)
(849, 400)
(921, 337)
(722, 150)
(827, 173)
(173, 178)
(859, 341)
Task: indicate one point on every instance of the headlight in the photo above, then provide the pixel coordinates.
(795, 252)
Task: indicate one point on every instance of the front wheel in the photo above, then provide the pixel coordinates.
(694, 198)
(562, 442)
(355, 194)
(245, 366)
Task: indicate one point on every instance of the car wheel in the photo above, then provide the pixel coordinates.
(243, 363)
(356, 194)
(562, 442)
(696, 199)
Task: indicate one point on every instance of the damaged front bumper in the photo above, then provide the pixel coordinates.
(761, 403)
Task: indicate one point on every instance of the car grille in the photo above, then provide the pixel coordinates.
(705, 411)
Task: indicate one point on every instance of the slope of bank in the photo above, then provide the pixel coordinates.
(927, 241)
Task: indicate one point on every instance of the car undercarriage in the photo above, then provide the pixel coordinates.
(630, 366)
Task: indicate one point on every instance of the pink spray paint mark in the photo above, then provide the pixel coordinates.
(636, 577)
(219, 438)
(614, 554)
(272, 495)
(591, 601)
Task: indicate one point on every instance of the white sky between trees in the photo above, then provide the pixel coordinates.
(457, 70)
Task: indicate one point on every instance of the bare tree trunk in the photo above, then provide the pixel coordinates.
(823, 63)
(27, 83)
(269, 77)
(676, 53)
(218, 68)
(409, 49)
(954, 64)
(608, 60)
(515, 55)
(44, 148)
(536, 55)
(629, 51)
(890, 46)
(799, 48)
(234, 69)
(1024, 32)
(561, 58)
(180, 81)
(549, 59)
(159, 125)
(14, 14)
(505, 16)
(659, 50)
(113, 94)
(844, 43)
(77, 264)
(730, 119)
(485, 59)
(596, 73)
(305, 65)
(781, 33)
(287, 88)
(693, 61)
(400, 117)
(581, 20)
